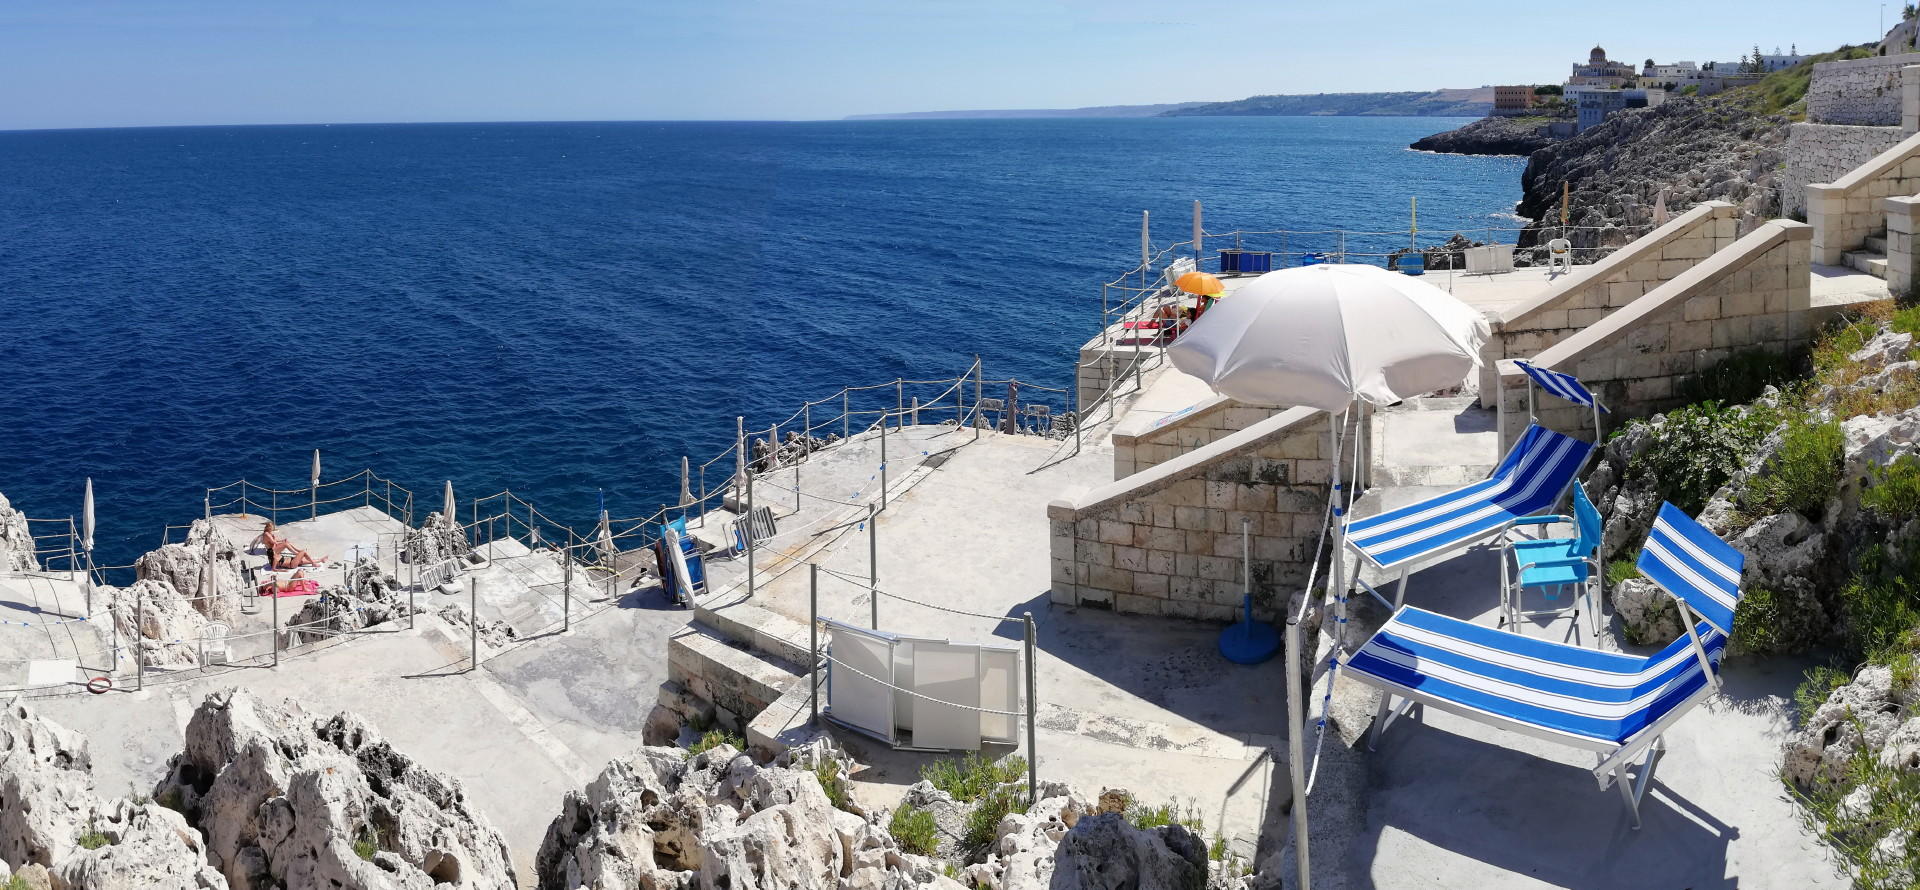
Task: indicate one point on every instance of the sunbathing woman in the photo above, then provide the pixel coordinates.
(281, 552)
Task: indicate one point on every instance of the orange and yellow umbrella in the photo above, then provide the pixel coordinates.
(1201, 284)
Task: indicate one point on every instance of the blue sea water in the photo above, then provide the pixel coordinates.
(560, 308)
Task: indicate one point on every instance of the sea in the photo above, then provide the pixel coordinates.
(567, 309)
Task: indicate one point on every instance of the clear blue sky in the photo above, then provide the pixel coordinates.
(89, 63)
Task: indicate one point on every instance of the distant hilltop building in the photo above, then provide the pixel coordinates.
(1513, 100)
(1600, 71)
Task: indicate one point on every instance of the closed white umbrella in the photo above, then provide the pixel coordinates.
(1660, 208)
(450, 506)
(1323, 336)
(86, 519)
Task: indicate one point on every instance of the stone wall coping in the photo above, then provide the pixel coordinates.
(1899, 61)
(1905, 205)
(1131, 434)
(1639, 249)
(1870, 171)
(1186, 466)
(1704, 274)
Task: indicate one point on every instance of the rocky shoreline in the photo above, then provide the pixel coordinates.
(1491, 136)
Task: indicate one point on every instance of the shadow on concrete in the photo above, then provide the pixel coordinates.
(1530, 816)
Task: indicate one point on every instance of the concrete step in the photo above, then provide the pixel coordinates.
(739, 682)
(1876, 244)
(1874, 264)
(1444, 445)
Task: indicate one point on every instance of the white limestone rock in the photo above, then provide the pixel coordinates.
(153, 617)
(16, 540)
(1863, 715)
(184, 568)
(1647, 614)
(48, 804)
(284, 799)
(1886, 348)
(436, 539)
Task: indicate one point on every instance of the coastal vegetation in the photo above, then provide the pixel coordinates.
(1436, 103)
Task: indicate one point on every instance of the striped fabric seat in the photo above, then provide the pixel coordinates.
(1618, 705)
(1531, 479)
(1565, 386)
(1585, 697)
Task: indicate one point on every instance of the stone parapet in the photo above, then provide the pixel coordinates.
(1860, 92)
(1903, 221)
(1154, 441)
(1824, 153)
(1167, 540)
(1754, 294)
(1574, 304)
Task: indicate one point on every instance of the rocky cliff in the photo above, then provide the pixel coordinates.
(1491, 136)
(1721, 148)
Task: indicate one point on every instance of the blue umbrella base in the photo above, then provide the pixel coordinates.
(1249, 642)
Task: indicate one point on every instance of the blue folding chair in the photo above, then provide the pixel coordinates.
(682, 569)
(1554, 566)
(1617, 705)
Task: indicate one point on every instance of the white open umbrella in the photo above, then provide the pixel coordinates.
(1326, 335)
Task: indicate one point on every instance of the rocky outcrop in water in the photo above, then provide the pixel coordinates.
(16, 540)
(288, 800)
(1491, 136)
(1697, 150)
(57, 832)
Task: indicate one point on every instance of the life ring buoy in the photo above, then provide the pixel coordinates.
(100, 685)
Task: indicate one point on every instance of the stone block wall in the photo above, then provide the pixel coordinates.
(1754, 294)
(1135, 450)
(1167, 541)
(1653, 259)
(1849, 209)
(1857, 92)
(1822, 153)
(1903, 221)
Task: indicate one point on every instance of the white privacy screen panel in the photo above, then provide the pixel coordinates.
(1000, 691)
(862, 702)
(949, 673)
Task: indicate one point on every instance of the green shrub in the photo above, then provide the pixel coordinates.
(92, 839)
(1141, 815)
(1802, 474)
(914, 828)
(970, 778)
(1881, 604)
(1906, 321)
(1813, 691)
(714, 739)
(828, 773)
(1892, 797)
(1893, 491)
(1698, 449)
(985, 817)
(366, 845)
(1623, 569)
(1217, 849)
(1757, 622)
(17, 883)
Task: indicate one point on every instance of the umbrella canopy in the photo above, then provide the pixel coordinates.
(86, 519)
(1325, 335)
(316, 468)
(1660, 208)
(450, 505)
(1200, 283)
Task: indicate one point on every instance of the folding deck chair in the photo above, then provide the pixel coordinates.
(1544, 563)
(1611, 703)
(752, 528)
(1532, 479)
(682, 570)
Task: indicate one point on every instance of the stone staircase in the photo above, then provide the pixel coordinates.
(742, 668)
(1871, 258)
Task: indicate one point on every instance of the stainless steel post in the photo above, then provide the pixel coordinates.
(746, 534)
(913, 411)
(1296, 749)
(899, 401)
(473, 622)
(813, 643)
(846, 428)
(1073, 411)
(739, 458)
(140, 635)
(976, 394)
(873, 564)
(883, 463)
(1033, 757)
(566, 591)
(275, 591)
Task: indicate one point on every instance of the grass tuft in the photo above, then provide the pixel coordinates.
(915, 829)
(714, 738)
(972, 777)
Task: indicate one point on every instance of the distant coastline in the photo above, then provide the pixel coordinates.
(1433, 103)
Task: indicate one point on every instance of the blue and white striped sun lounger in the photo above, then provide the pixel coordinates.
(1615, 704)
(1532, 479)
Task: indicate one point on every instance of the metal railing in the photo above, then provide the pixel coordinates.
(278, 504)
